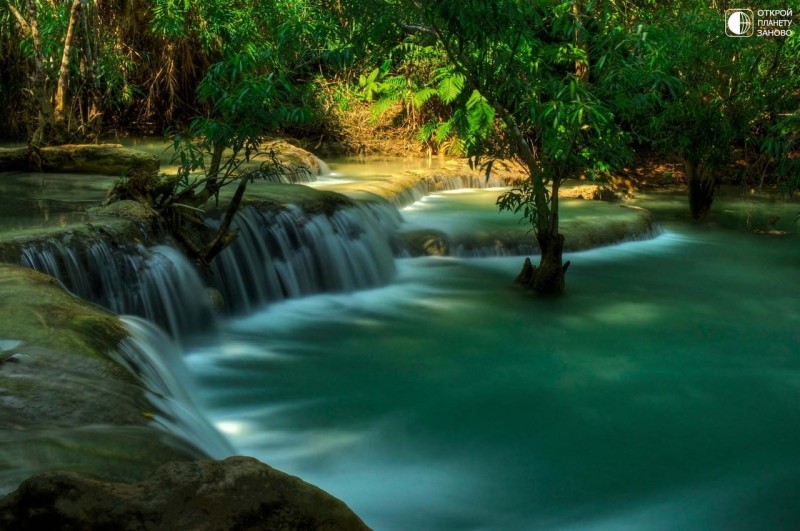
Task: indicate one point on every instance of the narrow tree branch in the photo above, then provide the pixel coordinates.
(23, 24)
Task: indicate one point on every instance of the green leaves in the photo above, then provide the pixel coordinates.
(449, 87)
(480, 114)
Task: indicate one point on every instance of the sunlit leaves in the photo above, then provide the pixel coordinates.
(449, 87)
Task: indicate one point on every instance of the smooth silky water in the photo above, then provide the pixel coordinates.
(661, 392)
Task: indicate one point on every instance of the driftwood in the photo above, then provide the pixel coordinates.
(104, 159)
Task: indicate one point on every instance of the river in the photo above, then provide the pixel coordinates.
(661, 392)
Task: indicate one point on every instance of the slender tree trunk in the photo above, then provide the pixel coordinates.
(45, 124)
(63, 73)
(212, 185)
(701, 188)
(91, 98)
(548, 278)
(581, 67)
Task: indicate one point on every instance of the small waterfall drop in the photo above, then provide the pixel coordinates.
(157, 283)
(158, 363)
(289, 253)
(324, 170)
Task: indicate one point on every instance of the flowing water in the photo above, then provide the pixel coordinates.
(661, 392)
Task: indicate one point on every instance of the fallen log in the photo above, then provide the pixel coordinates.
(104, 159)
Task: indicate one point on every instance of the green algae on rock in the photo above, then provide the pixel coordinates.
(64, 403)
(104, 159)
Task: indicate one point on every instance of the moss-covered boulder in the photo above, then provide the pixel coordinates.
(583, 228)
(64, 403)
(237, 493)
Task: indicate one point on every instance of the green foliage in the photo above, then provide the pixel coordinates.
(246, 99)
(725, 94)
(512, 83)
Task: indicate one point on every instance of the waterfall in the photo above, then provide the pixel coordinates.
(158, 363)
(408, 191)
(157, 283)
(278, 254)
(324, 170)
(289, 253)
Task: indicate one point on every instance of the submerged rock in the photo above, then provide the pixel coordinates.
(237, 493)
(425, 242)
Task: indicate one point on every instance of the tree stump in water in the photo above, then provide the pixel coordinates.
(525, 277)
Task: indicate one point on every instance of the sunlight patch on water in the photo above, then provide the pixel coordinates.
(231, 428)
(626, 313)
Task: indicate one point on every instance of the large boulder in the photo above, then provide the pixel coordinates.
(237, 493)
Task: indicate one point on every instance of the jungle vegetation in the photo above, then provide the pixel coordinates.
(565, 88)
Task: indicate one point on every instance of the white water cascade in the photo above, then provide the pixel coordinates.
(157, 283)
(289, 253)
(158, 363)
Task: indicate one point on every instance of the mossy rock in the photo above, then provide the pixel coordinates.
(278, 196)
(64, 403)
(35, 309)
(423, 242)
(603, 224)
(131, 226)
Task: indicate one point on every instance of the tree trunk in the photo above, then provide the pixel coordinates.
(42, 133)
(701, 188)
(581, 67)
(548, 278)
(63, 73)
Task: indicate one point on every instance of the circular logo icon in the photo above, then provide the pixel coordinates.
(740, 23)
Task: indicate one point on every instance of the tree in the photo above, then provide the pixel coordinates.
(522, 88)
(731, 94)
(52, 54)
(246, 99)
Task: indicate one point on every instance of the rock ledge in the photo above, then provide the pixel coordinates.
(239, 493)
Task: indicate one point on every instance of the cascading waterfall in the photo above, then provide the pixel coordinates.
(158, 363)
(157, 283)
(414, 190)
(278, 255)
(513, 248)
(289, 253)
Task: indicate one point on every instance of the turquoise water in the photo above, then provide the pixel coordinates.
(661, 392)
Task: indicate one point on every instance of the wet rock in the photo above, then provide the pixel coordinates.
(216, 299)
(237, 493)
(427, 242)
(64, 403)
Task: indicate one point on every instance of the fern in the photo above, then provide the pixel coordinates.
(450, 87)
(421, 97)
